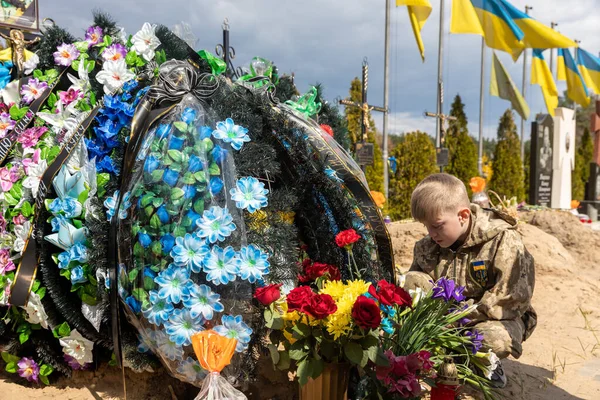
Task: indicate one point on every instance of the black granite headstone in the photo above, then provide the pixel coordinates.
(542, 147)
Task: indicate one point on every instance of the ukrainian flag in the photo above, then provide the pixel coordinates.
(418, 12)
(561, 74)
(576, 89)
(503, 26)
(541, 75)
(589, 67)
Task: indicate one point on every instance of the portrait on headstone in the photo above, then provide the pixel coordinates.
(545, 149)
(20, 14)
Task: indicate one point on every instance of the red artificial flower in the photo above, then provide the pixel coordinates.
(419, 361)
(268, 294)
(299, 298)
(313, 271)
(366, 313)
(389, 294)
(346, 238)
(327, 129)
(321, 306)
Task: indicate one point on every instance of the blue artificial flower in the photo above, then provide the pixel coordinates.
(181, 326)
(168, 348)
(94, 149)
(195, 164)
(77, 275)
(189, 252)
(387, 326)
(193, 216)
(111, 203)
(159, 309)
(68, 206)
(167, 242)
(249, 194)
(143, 346)
(252, 263)
(170, 177)
(5, 76)
(221, 266)
(164, 130)
(218, 154)
(64, 259)
(144, 239)
(139, 96)
(330, 172)
(163, 214)
(56, 221)
(134, 305)
(390, 311)
(188, 115)
(176, 143)
(205, 132)
(235, 328)
(229, 132)
(202, 302)
(215, 185)
(151, 163)
(191, 370)
(189, 191)
(78, 253)
(447, 290)
(106, 165)
(130, 85)
(216, 224)
(174, 283)
(148, 272)
(476, 340)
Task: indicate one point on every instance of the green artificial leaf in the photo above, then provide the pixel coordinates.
(297, 351)
(26, 209)
(11, 201)
(65, 273)
(24, 336)
(148, 283)
(75, 65)
(199, 206)
(274, 354)
(284, 361)
(140, 62)
(316, 368)
(90, 65)
(37, 74)
(381, 359)
(131, 58)
(93, 100)
(177, 193)
(181, 126)
(11, 367)
(88, 299)
(207, 145)
(155, 222)
(139, 294)
(61, 330)
(214, 169)
(41, 292)
(44, 380)
(83, 196)
(157, 175)
(303, 372)
(8, 358)
(36, 285)
(157, 202)
(200, 176)
(175, 155)
(160, 57)
(188, 178)
(46, 370)
(52, 99)
(133, 274)
(82, 46)
(157, 249)
(77, 223)
(353, 352)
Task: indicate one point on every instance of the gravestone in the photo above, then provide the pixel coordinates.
(540, 178)
(563, 157)
(591, 204)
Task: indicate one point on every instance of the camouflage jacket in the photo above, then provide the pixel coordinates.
(494, 266)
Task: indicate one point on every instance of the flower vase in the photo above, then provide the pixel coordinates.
(332, 384)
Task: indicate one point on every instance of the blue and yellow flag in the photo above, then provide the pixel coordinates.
(541, 75)
(561, 74)
(503, 26)
(418, 12)
(502, 86)
(589, 67)
(576, 89)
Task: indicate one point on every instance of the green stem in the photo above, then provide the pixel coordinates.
(353, 262)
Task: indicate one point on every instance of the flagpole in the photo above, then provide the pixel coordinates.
(552, 25)
(440, 84)
(523, 87)
(386, 71)
(481, 83)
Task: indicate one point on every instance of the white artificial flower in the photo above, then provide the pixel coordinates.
(145, 42)
(113, 75)
(35, 311)
(34, 177)
(31, 64)
(82, 82)
(6, 292)
(78, 347)
(22, 234)
(416, 294)
(494, 361)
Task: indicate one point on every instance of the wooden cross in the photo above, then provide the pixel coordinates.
(363, 105)
(441, 152)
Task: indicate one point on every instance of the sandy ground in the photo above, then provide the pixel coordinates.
(560, 361)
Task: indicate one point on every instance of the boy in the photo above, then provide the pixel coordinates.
(481, 250)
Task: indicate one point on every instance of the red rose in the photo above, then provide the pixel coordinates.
(268, 294)
(317, 270)
(389, 294)
(346, 238)
(299, 298)
(327, 129)
(366, 313)
(321, 306)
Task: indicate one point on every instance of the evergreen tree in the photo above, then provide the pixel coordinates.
(374, 173)
(415, 155)
(285, 89)
(461, 146)
(330, 115)
(507, 178)
(583, 158)
(527, 169)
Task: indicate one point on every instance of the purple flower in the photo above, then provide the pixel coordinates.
(69, 96)
(94, 35)
(74, 364)
(6, 264)
(30, 136)
(115, 52)
(28, 369)
(33, 90)
(447, 289)
(476, 340)
(65, 54)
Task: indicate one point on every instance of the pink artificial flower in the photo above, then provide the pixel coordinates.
(33, 90)
(8, 177)
(27, 162)
(114, 52)
(70, 96)
(19, 219)
(28, 369)
(94, 35)
(65, 54)
(30, 137)
(2, 224)
(408, 386)
(6, 124)
(6, 264)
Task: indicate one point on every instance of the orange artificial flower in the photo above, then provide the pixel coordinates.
(214, 351)
(477, 184)
(379, 198)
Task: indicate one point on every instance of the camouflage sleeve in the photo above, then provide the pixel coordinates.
(513, 267)
(416, 255)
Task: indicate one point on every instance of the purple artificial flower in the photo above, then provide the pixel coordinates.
(6, 264)
(114, 52)
(74, 364)
(30, 136)
(3, 224)
(28, 369)
(447, 289)
(33, 90)
(6, 124)
(476, 340)
(69, 96)
(94, 35)
(65, 54)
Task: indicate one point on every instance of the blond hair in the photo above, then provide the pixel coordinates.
(437, 194)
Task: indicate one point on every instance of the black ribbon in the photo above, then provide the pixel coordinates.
(27, 270)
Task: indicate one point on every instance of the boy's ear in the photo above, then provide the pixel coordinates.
(464, 214)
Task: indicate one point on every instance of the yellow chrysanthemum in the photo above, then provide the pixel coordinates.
(357, 288)
(339, 324)
(335, 289)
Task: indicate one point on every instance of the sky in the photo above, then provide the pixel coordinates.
(325, 41)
